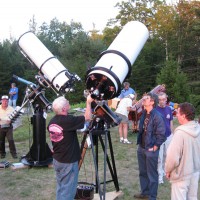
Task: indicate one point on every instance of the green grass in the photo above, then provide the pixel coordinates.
(38, 183)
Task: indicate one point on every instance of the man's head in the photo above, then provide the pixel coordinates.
(60, 106)
(4, 101)
(13, 85)
(162, 99)
(185, 113)
(150, 100)
(126, 85)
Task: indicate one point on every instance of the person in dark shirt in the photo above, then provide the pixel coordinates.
(150, 137)
(66, 150)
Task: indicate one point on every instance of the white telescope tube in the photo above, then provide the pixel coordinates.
(114, 64)
(46, 62)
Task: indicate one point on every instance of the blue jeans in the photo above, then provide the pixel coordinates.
(67, 179)
(12, 103)
(148, 173)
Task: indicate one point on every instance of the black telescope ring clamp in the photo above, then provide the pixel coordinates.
(23, 35)
(121, 55)
(56, 74)
(45, 62)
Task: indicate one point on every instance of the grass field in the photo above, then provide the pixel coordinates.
(38, 183)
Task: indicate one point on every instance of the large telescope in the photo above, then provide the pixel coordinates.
(57, 76)
(104, 80)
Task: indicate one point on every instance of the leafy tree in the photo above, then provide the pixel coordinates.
(175, 81)
(10, 64)
(195, 101)
(110, 33)
(74, 48)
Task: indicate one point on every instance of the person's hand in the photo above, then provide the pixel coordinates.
(167, 175)
(89, 99)
(154, 148)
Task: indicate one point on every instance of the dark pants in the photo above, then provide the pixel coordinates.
(148, 173)
(7, 133)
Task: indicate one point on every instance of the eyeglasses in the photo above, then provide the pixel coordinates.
(146, 97)
(161, 99)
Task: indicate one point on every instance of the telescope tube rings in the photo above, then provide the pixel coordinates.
(114, 65)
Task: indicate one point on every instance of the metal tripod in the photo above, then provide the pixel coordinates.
(104, 137)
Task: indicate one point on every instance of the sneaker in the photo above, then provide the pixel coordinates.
(121, 140)
(127, 142)
(141, 196)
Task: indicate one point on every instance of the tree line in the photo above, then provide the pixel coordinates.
(170, 56)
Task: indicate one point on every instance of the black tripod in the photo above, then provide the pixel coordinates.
(100, 132)
(40, 153)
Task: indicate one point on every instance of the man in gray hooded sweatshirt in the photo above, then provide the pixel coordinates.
(183, 161)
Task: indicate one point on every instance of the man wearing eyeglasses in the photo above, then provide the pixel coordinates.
(150, 137)
(166, 112)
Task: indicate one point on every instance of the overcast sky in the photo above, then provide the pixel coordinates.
(15, 14)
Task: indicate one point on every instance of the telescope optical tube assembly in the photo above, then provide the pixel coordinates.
(53, 70)
(104, 80)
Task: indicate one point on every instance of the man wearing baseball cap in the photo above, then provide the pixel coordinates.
(6, 128)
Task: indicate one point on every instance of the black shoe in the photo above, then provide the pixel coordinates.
(14, 156)
(141, 196)
(3, 156)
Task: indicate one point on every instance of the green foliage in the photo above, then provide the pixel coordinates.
(175, 81)
(147, 66)
(174, 30)
(174, 35)
(195, 101)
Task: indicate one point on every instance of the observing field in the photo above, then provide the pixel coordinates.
(38, 183)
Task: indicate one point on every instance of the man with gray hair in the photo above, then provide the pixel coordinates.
(66, 150)
(126, 91)
(166, 112)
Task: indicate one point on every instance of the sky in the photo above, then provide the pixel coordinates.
(16, 14)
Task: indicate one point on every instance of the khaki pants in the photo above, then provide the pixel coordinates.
(162, 157)
(185, 190)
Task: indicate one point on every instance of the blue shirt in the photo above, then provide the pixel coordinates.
(126, 92)
(166, 112)
(14, 96)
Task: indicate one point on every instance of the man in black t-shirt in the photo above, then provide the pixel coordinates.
(66, 150)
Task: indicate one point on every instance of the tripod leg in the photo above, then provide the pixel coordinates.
(112, 167)
(95, 166)
(84, 147)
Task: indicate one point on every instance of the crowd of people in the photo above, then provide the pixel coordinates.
(161, 150)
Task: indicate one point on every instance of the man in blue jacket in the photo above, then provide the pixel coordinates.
(150, 137)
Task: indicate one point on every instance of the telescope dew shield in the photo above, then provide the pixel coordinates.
(114, 64)
(48, 64)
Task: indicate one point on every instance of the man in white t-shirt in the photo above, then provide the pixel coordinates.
(123, 110)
